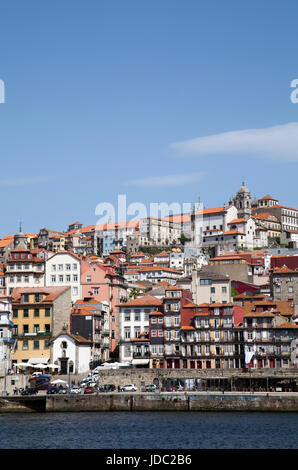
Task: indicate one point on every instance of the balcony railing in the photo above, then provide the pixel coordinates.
(140, 355)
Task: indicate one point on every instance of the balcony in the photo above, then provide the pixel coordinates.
(139, 355)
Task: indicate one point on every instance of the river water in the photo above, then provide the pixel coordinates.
(149, 430)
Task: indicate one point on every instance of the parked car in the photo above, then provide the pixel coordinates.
(29, 391)
(89, 390)
(150, 388)
(108, 388)
(43, 386)
(83, 383)
(92, 384)
(52, 390)
(75, 390)
(63, 390)
(129, 388)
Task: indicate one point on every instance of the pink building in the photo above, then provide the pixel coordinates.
(103, 282)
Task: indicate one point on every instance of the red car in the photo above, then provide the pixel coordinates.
(89, 390)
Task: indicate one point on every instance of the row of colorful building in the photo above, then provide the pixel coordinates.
(79, 298)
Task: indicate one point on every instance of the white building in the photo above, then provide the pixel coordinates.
(72, 353)
(177, 260)
(134, 321)
(6, 340)
(64, 269)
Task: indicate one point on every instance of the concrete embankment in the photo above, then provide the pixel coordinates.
(152, 402)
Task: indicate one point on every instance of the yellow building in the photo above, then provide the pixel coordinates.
(38, 314)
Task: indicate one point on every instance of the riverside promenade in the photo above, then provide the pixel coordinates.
(151, 401)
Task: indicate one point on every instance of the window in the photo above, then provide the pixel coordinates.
(53, 267)
(127, 316)
(25, 329)
(26, 297)
(36, 344)
(26, 278)
(224, 290)
(36, 328)
(15, 330)
(75, 266)
(160, 333)
(36, 312)
(53, 278)
(25, 345)
(127, 333)
(127, 350)
(60, 267)
(153, 320)
(36, 298)
(25, 313)
(95, 290)
(47, 312)
(290, 289)
(68, 267)
(75, 290)
(67, 278)
(75, 278)
(60, 278)
(212, 290)
(15, 313)
(205, 282)
(153, 332)
(88, 279)
(137, 316)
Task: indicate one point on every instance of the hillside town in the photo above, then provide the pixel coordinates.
(144, 294)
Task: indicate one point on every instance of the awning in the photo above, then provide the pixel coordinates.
(39, 360)
(140, 362)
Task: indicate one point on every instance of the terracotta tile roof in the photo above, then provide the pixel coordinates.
(238, 221)
(145, 300)
(156, 313)
(266, 313)
(287, 325)
(51, 292)
(233, 232)
(139, 339)
(268, 197)
(284, 270)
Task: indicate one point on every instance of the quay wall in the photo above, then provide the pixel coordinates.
(173, 402)
(190, 401)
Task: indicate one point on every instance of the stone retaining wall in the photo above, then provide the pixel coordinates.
(151, 402)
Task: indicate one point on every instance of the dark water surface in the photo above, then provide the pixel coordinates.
(149, 430)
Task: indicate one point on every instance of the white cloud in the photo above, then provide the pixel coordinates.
(277, 142)
(169, 180)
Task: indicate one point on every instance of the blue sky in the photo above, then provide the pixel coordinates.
(103, 97)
